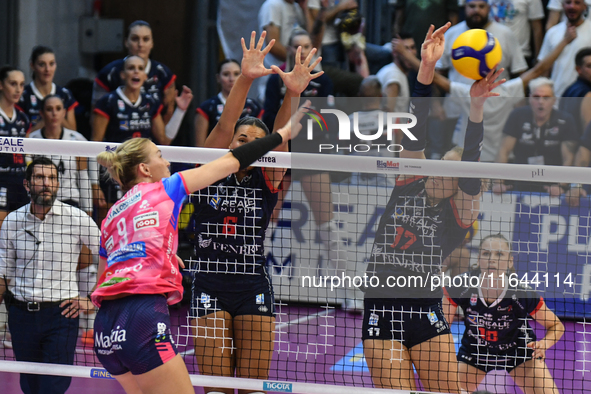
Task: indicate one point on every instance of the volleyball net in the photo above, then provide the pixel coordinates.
(319, 254)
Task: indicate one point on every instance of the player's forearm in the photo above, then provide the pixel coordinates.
(235, 103)
(553, 334)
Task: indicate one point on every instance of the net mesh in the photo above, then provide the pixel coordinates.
(319, 255)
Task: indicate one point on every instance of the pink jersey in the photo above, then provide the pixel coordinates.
(139, 240)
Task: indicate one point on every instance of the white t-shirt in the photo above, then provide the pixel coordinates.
(331, 35)
(563, 71)
(496, 112)
(556, 5)
(74, 184)
(286, 17)
(392, 74)
(516, 15)
(513, 60)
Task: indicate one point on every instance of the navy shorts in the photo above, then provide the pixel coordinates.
(132, 334)
(257, 300)
(479, 358)
(411, 324)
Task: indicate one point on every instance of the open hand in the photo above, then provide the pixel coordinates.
(298, 79)
(252, 57)
(432, 48)
(184, 99)
(482, 89)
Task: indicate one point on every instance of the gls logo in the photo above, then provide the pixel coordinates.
(394, 121)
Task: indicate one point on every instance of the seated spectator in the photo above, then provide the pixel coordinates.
(563, 71)
(579, 109)
(538, 134)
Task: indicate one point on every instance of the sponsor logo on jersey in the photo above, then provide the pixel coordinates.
(220, 108)
(203, 243)
(124, 125)
(433, 318)
(473, 299)
(121, 105)
(107, 344)
(113, 281)
(33, 100)
(121, 116)
(473, 319)
(1, 121)
(146, 220)
(373, 319)
(129, 251)
(109, 244)
(205, 300)
(122, 206)
(215, 201)
(260, 299)
(135, 115)
(263, 309)
(507, 308)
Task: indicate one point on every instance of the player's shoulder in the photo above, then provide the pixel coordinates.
(73, 135)
(161, 67)
(114, 65)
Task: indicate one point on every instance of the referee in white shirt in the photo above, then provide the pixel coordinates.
(39, 248)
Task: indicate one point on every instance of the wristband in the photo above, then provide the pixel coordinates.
(473, 141)
(251, 152)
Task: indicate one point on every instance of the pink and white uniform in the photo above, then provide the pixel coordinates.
(139, 241)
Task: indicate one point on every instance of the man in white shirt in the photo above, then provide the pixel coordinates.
(522, 17)
(564, 72)
(394, 76)
(40, 244)
(555, 13)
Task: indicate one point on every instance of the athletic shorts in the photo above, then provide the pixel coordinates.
(259, 301)
(132, 334)
(411, 324)
(485, 362)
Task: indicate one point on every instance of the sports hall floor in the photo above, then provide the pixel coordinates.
(323, 346)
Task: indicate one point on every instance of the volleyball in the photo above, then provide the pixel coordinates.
(475, 52)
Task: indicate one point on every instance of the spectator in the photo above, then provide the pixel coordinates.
(555, 13)
(160, 81)
(209, 113)
(415, 16)
(523, 17)
(513, 61)
(496, 111)
(279, 18)
(394, 77)
(579, 109)
(43, 66)
(337, 32)
(538, 134)
(39, 248)
(563, 72)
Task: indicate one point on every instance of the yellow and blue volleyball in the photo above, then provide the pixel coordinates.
(475, 52)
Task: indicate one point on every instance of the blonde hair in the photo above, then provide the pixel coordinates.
(122, 163)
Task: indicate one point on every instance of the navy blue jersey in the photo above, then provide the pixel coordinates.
(540, 141)
(228, 225)
(319, 87)
(13, 166)
(413, 239)
(159, 79)
(127, 120)
(31, 98)
(572, 105)
(498, 328)
(212, 109)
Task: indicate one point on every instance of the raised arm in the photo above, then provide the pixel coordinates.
(252, 67)
(431, 51)
(467, 199)
(241, 157)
